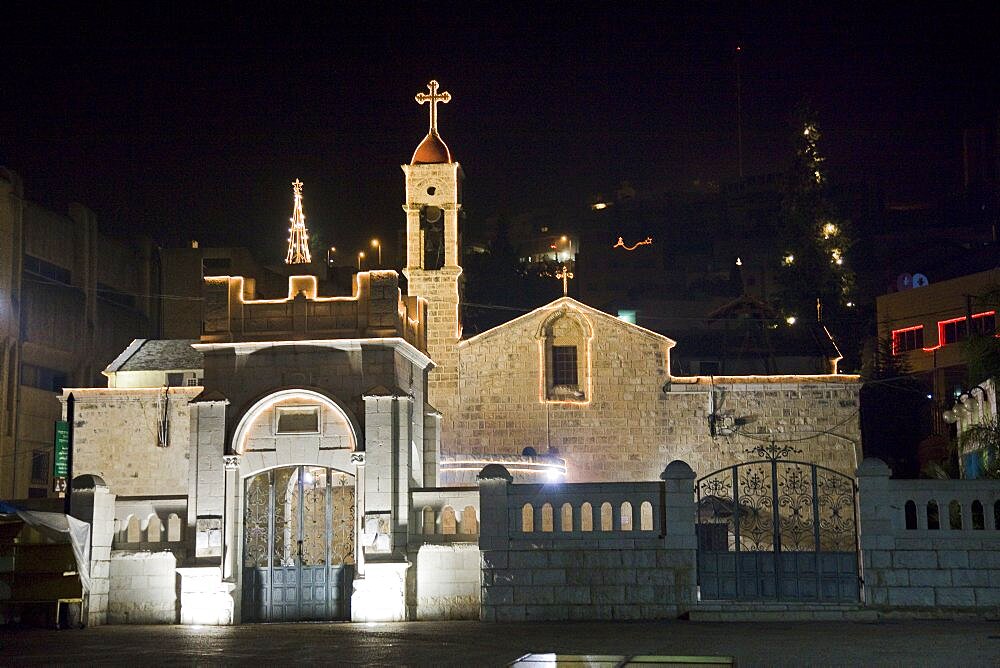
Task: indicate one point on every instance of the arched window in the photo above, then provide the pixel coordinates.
(954, 515)
(910, 512)
(175, 530)
(933, 519)
(563, 339)
(547, 517)
(448, 523)
(646, 516)
(626, 516)
(606, 517)
(566, 521)
(586, 517)
(527, 518)
(429, 520)
(470, 523)
(978, 516)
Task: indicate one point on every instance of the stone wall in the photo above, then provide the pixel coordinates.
(143, 588)
(93, 503)
(587, 551)
(448, 581)
(634, 415)
(929, 543)
(115, 436)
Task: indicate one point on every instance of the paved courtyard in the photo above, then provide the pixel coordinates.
(901, 643)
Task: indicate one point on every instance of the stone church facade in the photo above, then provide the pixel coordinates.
(316, 460)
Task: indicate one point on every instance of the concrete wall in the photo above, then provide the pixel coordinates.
(635, 416)
(115, 437)
(954, 566)
(609, 568)
(143, 588)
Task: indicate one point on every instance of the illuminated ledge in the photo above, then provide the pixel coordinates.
(405, 348)
(122, 393)
(764, 380)
(463, 468)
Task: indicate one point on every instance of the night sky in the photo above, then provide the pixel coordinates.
(189, 126)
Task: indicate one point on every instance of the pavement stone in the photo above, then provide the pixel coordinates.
(889, 642)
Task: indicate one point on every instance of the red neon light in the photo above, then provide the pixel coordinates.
(895, 337)
(943, 323)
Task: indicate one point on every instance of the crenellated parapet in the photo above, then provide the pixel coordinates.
(376, 309)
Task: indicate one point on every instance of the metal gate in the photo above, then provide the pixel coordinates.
(778, 530)
(298, 544)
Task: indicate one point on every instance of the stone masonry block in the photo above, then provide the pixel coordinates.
(572, 594)
(955, 596)
(607, 594)
(915, 559)
(549, 576)
(911, 596)
(965, 577)
(989, 596)
(510, 613)
(930, 578)
(534, 595)
(953, 559)
(984, 559)
(498, 595)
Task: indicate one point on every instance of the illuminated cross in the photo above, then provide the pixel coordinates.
(565, 275)
(433, 100)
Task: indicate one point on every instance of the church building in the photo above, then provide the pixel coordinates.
(315, 457)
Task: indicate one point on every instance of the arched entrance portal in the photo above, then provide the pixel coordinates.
(298, 544)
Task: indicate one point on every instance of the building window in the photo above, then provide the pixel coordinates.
(957, 329)
(564, 366)
(40, 467)
(296, 420)
(984, 324)
(39, 267)
(911, 338)
(43, 378)
(953, 331)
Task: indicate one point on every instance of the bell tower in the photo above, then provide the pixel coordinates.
(433, 203)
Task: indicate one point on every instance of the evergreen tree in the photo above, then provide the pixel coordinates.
(815, 240)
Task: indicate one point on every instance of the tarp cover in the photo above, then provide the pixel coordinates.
(57, 525)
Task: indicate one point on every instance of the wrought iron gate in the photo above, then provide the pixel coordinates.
(298, 544)
(780, 530)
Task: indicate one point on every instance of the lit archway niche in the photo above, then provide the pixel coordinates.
(333, 426)
(565, 327)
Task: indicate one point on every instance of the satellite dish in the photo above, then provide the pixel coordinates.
(904, 282)
(920, 281)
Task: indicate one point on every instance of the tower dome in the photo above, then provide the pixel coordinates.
(431, 150)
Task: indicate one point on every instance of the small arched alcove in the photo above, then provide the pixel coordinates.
(564, 356)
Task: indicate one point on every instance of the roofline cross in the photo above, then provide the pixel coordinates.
(564, 276)
(432, 99)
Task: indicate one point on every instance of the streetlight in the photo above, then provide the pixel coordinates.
(361, 256)
(376, 244)
(329, 254)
